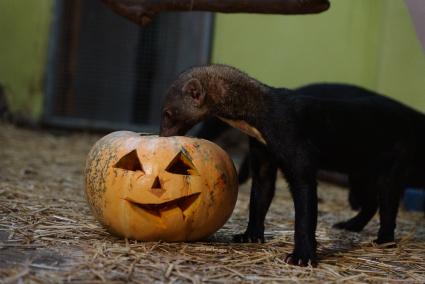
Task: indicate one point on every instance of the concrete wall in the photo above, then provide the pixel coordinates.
(417, 12)
(401, 58)
(369, 43)
(24, 28)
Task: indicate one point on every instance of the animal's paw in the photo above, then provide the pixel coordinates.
(250, 236)
(350, 225)
(302, 257)
(385, 242)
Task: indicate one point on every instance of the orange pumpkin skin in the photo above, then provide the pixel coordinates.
(160, 188)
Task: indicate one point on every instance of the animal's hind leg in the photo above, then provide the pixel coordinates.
(367, 198)
(389, 197)
(263, 168)
(355, 189)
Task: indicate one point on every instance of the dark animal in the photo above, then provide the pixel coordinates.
(377, 141)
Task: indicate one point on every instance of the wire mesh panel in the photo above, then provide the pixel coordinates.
(106, 72)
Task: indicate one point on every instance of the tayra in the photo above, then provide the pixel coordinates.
(375, 140)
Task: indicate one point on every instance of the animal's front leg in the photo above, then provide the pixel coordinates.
(263, 167)
(302, 183)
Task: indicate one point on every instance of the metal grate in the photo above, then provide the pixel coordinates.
(106, 72)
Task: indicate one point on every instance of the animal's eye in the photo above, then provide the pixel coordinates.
(182, 165)
(130, 162)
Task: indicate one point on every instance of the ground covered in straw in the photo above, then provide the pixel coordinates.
(48, 235)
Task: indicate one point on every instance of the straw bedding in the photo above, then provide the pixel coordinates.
(48, 235)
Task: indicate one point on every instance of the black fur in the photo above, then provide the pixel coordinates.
(377, 141)
(214, 127)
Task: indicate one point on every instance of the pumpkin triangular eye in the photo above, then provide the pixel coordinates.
(130, 162)
(182, 165)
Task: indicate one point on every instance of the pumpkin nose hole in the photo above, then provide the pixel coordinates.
(182, 165)
(156, 183)
(156, 188)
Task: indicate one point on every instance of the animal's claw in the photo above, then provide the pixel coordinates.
(301, 259)
(249, 237)
(385, 242)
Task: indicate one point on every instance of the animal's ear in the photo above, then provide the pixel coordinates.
(193, 88)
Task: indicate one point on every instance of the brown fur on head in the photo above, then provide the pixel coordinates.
(187, 102)
(218, 90)
(183, 106)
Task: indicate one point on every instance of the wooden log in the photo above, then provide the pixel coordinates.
(142, 11)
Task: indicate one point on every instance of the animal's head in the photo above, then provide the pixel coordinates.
(200, 92)
(184, 105)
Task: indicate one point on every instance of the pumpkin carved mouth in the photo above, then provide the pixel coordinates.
(183, 203)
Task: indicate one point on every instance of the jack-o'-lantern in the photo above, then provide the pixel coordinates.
(150, 188)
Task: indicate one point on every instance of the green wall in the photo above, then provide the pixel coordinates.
(369, 43)
(24, 28)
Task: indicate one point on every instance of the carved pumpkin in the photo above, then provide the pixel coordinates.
(157, 188)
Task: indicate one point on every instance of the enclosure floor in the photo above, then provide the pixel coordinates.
(48, 235)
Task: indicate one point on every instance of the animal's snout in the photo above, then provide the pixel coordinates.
(165, 131)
